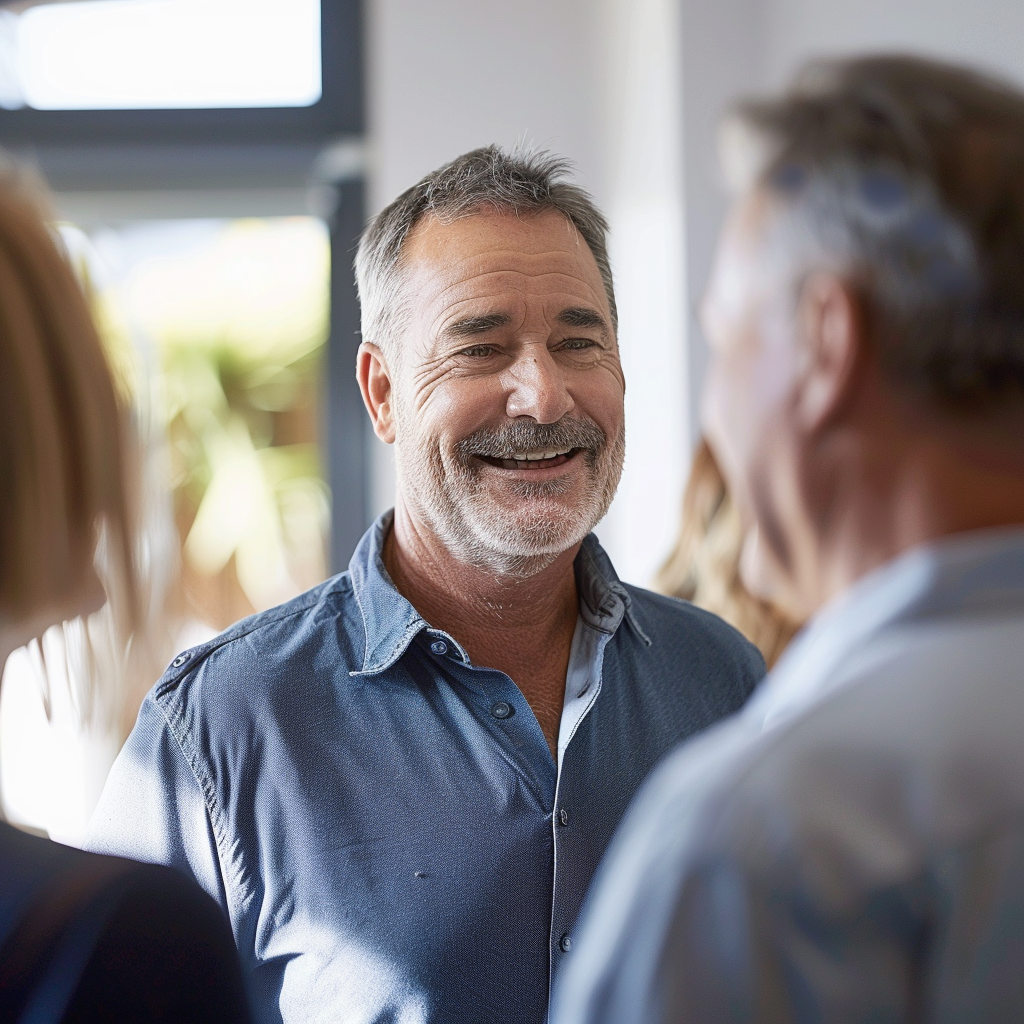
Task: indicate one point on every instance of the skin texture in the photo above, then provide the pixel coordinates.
(836, 466)
(509, 329)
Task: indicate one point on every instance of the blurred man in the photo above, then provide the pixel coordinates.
(399, 785)
(850, 847)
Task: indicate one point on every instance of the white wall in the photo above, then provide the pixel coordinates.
(449, 75)
(597, 81)
(722, 58)
(642, 120)
(987, 33)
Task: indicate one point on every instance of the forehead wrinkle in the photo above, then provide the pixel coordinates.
(455, 292)
(442, 253)
(453, 267)
(432, 252)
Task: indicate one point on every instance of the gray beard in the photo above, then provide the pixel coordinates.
(445, 492)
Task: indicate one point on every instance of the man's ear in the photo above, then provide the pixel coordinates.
(830, 348)
(375, 384)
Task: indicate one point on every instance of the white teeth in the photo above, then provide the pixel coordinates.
(537, 456)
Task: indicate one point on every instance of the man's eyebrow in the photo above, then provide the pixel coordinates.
(582, 316)
(471, 325)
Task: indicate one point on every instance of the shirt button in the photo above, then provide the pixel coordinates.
(179, 661)
(503, 710)
(439, 647)
(563, 816)
(565, 943)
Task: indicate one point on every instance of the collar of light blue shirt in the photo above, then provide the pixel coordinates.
(975, 573)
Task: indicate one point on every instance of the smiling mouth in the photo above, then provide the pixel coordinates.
(532, 460)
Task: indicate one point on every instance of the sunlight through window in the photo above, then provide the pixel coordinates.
(161, 54)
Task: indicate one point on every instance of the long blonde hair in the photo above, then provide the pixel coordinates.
(64, 444)
(704, 566)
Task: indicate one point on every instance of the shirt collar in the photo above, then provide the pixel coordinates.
(391, 623)
(969, 573)
(604, 601)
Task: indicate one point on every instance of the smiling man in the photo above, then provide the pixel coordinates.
(399, 785)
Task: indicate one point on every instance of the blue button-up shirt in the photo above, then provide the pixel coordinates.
(382, 820)
(850, 846)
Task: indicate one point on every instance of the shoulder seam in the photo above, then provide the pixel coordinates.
(170, 680)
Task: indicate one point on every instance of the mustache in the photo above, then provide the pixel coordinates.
(525, 435)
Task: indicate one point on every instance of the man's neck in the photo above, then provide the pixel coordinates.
(941, 486)
(520, 625)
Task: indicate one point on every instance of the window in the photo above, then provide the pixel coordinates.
(161, 54)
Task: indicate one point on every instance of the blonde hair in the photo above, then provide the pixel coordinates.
(63, 437)
(704, 566)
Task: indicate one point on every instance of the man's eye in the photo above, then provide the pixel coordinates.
(576, 344)
(478, 351)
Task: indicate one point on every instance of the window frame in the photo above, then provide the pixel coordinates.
(339, 111)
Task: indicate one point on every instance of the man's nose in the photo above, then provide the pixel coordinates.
(537, 388)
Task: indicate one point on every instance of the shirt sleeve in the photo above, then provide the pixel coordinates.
(153, 809)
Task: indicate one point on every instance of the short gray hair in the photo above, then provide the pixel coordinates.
(907, 175)
(518, 182)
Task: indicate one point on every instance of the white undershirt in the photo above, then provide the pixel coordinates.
(582, 681)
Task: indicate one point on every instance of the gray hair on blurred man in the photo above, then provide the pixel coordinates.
(851, 845)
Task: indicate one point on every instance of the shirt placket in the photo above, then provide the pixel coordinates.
(568, 823)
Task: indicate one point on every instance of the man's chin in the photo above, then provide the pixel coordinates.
(529, 533)
(535, 520)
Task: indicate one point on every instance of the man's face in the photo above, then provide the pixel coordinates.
(748, 319)
(508, 391)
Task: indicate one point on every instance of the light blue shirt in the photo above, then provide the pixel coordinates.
(850, 846)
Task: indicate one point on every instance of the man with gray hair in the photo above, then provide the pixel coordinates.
(850, 847)
(398, 786)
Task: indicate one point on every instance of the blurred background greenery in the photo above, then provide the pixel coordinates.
(227, 335)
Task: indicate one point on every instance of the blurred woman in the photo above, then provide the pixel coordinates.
(706, 564)
(82, 937)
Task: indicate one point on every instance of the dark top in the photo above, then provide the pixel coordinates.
(85, 938)
(382, 819)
